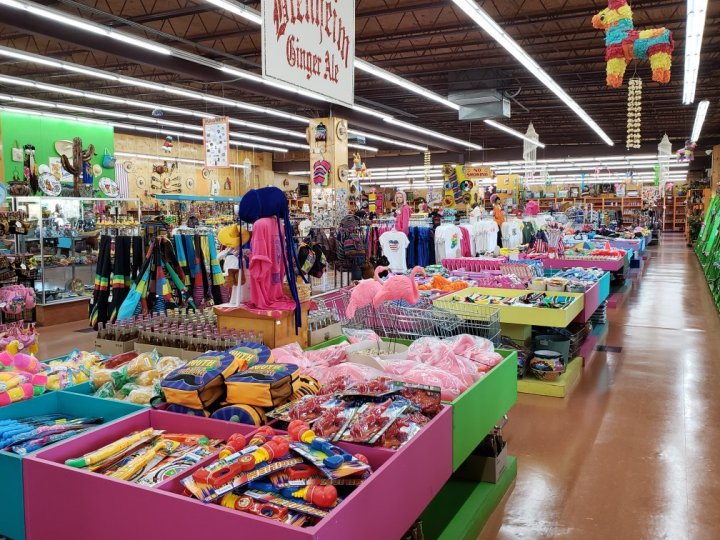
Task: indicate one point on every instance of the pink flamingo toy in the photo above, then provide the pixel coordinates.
(400, 288)
(364, 292)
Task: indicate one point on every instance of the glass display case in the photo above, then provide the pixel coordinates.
(62, 242)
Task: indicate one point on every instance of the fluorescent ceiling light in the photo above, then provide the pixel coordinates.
(699, 119)
(385, 139)
(696, 11)
(363, 147)
(157, 122)
(514, 133)
(486, 22)
(148, 105)
(84, 24)
(179, 159)
(299, 173)
(431, 133)
(380, 73)
(238, 9)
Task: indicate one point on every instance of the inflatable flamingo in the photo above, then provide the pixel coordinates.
(364, 292)
(400, 288)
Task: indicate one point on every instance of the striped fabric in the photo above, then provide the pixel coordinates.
(121, 177)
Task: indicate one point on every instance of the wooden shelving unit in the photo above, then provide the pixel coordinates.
(675, 213)
(631, 207)
(698, 200)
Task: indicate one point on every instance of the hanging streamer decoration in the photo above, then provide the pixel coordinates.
(634, 114)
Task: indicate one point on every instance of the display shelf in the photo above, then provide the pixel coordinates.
(611, 265)
(595, 339)
(59, 225)
(618, 297)
(595, 296)
(462, 508)
(400, 488)
(477, 410)
(12, 493)
(560, 388)
(517, 314)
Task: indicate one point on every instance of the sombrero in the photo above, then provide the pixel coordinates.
(233, 236)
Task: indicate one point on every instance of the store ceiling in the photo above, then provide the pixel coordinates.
(429, 42)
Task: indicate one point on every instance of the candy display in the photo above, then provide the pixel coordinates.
(134, 378)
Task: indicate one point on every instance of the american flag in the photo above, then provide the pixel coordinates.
(121, 177)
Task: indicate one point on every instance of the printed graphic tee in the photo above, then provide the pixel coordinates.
(394, 246)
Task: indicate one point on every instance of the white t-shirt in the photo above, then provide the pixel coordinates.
(475, 214)
(512, 233)
(486, 240)
(447, 242)
(304, 227)
(394, 246)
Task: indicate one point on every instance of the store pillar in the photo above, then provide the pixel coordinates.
(328, 140)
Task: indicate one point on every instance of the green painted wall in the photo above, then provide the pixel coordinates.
(43, 133)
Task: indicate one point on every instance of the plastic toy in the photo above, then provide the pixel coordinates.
(364, 292)
(97, 456)
(322, 496)
(399, 288)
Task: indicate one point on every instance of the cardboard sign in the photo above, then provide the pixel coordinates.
(216, 135)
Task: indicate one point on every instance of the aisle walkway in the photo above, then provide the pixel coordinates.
(634, 453)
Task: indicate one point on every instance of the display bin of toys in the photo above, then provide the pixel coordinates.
(402, 483)
(518, 313)
(604, 263)
(12, 515)
(477, 410)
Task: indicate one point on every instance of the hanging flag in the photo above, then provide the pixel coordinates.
(658, 170)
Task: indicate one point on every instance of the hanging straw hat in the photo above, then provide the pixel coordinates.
(233, 236)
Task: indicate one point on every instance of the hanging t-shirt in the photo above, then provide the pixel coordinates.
(394, 246)
(267, 270)
(476, 214)
(447, 242)
(487, 236)
(512, 233)
(304, 228)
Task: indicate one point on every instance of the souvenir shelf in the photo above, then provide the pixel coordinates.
(675, 213)
(60, 238)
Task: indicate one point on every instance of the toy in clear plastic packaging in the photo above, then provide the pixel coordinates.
(332, 460)
(372, 420)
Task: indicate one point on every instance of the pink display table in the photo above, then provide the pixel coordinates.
(611, 265)
(88, 506)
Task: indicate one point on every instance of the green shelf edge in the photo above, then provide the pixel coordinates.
(462, 508)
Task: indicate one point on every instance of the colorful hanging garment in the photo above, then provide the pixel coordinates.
(101, 296)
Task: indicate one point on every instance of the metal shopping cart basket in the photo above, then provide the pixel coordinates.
(399, 320)
(476, 320)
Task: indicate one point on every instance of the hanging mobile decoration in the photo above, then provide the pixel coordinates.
(247, 170)
(428, 165)
(168, 144)
(634, 114)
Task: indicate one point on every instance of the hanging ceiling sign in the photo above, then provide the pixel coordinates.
(310, 44)
(216, 134)
(478, 172)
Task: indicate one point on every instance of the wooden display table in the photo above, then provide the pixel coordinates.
(62, 311)
(276, 332)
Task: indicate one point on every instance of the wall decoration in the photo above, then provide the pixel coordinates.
(321, 133)
(634, 113)
(190, 183)
(623, 44)
(343, 173)
(109, 187)
(321, 171)
(167, 144)
(216, 136)
(80, 168)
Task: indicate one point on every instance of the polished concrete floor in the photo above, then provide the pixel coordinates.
(634, 452)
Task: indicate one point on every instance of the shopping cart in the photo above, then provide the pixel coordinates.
(398, 320)
(476, 320)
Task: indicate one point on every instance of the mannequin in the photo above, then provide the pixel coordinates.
(402, 221)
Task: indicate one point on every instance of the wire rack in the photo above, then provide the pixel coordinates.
(399, 320)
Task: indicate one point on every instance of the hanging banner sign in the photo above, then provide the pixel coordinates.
(476, 173)
(216, 135)
(310, 44)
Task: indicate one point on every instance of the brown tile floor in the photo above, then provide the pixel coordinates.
(634, 452)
